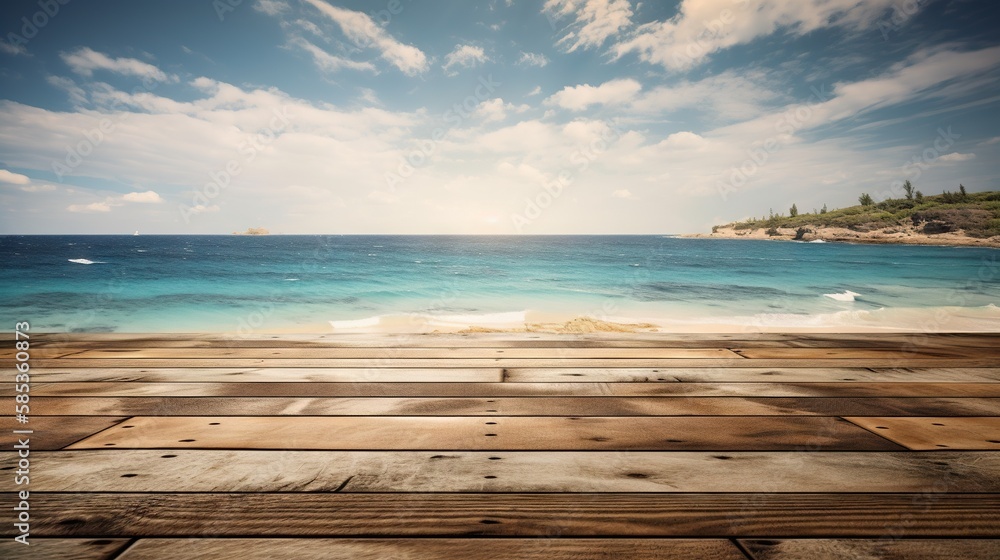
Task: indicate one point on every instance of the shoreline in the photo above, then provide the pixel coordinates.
(890, 236)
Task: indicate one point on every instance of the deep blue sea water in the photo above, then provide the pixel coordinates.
(154, 283)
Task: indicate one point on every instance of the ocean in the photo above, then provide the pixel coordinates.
(246, 284)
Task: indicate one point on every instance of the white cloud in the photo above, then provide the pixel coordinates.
(12, 49)
(328, 62)
(592, 22)
(622, 193)
(85, 60)
(88, 208)
(728, 95)
(956, 157)
(76, 94)
(466, 56)
(537, 90)
(38, 188)
(146, 197)
(703, 27)
(365, 33)
(271, 7)
(13, 178)
(493, 110)
(533, 59)
(578, 98)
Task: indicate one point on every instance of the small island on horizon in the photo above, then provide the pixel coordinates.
(253, 231)
(950, 218)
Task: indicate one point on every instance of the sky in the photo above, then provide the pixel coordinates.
(484, 117)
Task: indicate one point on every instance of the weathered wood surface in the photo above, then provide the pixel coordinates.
(491, 390)
(529, 445)
(929, 433)
(518, 375)
(444, 362)
(496, 433)
(51, 432)
(63, 549)
(515, 406)
(517, 515)
(888, 548)
(804, 470)
(552, 548)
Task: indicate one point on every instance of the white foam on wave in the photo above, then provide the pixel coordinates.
(846, 295)
(421, 322)
(817, 241)
(291, 279)
(85, 261)
(367, 322)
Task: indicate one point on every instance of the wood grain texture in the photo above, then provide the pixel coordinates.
(918, 362)
(796, 373)
(283, 340)
(62, 549)
(473, 433)
(515, 406)
(52, 432)
(254, 375)
(935, 433)
(490, 390)
(516, 515)
(888, 548)
(400, 353)
(552, 548)
(805, 470)
(914, 352)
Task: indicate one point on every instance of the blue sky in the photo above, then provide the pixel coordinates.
(563, 116)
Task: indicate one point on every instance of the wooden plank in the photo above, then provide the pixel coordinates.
(888, 548)
(52, 432)
(62, 549)
(390, 353)
(549, 352)
(506, 363)
(751, 374)
(472, 433)
(987, 339)
(516, 515)
(804, 470)
(866, 353)
(255, 374)
(514, 406)
(930, 433)
(432, 389)
(434, 549)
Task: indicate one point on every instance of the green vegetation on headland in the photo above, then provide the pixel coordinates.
(915, 218)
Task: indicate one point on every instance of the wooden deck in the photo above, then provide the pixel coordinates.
(645, 446)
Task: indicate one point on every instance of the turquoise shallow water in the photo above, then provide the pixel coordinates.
(243, 283)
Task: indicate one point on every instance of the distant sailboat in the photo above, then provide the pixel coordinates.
(136, 233)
